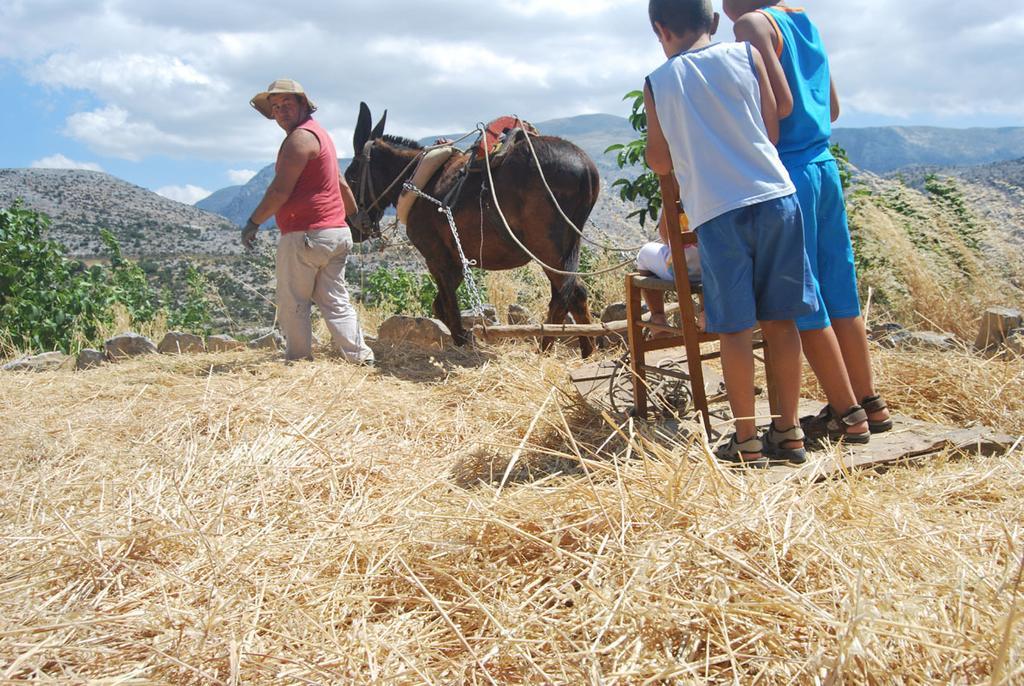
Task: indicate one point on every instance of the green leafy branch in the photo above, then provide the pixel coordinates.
(645, 187)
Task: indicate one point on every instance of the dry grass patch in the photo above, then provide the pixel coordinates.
(229, 519)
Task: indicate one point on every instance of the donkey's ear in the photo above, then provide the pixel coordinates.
(362, 134)
(378, 130)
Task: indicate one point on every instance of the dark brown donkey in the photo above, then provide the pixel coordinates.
(382, 163)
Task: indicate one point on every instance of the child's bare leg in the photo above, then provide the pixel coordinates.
(821, 347)
(783, 341)
(655, 305)
(738, 369)
(852, 338)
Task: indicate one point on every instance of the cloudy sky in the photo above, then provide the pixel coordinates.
(157, 92)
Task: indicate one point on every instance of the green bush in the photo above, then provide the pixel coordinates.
(194, 314)
(645, 187)
(843, 161)
(398, 291)
(51, 302)
(946, 193)
(131, 287)
(47, 302)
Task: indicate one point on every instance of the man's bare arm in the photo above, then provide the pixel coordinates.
(659, 158)
(348, 197)
(755, 29)
(299, 148)
(768, 110)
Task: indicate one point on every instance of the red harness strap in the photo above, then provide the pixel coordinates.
(496, 130)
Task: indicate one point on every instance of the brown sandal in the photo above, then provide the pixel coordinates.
(773, 441)
(732, 453)
(871, 405)
(837, 427)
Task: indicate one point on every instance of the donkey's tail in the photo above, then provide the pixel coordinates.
(572, 264)
(590, 187)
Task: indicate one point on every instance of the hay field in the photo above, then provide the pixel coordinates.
(227, 519)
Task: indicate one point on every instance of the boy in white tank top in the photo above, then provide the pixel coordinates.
(712, 121)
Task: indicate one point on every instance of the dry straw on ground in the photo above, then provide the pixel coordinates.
(228, 519)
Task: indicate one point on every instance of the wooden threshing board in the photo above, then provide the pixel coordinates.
(606, 387)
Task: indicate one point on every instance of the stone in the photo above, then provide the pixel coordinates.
(616, 312)
(488, 317)
(222, 343)
(270, 341)
(90, 359)
(419, 332)
(47, 362)
(885, 334)
(996, 324)
(1015, 342)
(177, 343)
(924, 340)
(129, 345)
(518, 316)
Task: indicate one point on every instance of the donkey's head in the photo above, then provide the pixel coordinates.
(364, 180)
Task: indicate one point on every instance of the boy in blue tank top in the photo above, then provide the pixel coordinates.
(712, 122)
(834, 338)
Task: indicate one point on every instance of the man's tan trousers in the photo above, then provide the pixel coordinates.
(311, 269)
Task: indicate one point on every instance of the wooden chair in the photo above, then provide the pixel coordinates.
(689, 334)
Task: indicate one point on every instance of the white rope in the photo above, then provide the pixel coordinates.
(546, 267)
(551, 194)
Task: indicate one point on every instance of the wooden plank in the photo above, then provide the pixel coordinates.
(494, 333)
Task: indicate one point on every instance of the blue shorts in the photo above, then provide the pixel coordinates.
(755, 267)
(827, 239)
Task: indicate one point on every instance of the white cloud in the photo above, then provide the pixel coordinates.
(123, 75)
(110, 131)
(571, 8)
(240, 177)
(463, 62)
(175, 78)
(59, 161)
(187, 194)
(121, 133)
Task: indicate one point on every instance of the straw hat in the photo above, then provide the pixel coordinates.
(262, 101)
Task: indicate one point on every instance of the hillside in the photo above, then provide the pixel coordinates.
(965, 242)
(163, 235)
(878, 150)
(80, 203)
(592, 132)
(995, 192)
(930, 254)
(888, 148)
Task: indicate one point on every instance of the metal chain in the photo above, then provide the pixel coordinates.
(475, 297)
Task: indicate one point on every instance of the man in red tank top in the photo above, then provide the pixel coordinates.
(310, 199)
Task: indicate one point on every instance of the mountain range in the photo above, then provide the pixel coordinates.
(879, 150)
(592, 132)
(80, 203)
(886, 149)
